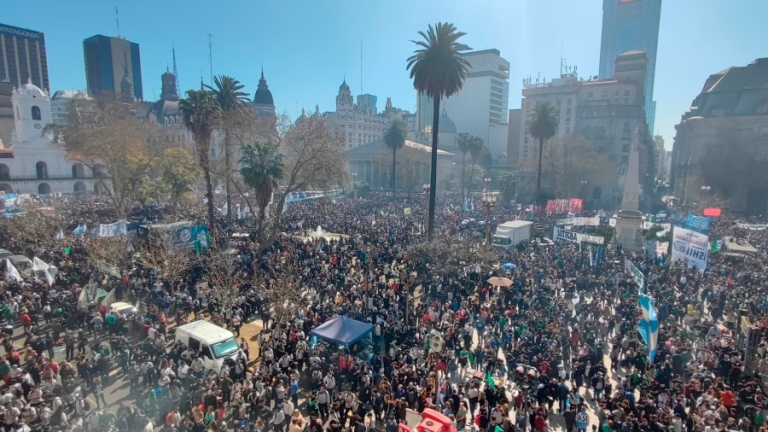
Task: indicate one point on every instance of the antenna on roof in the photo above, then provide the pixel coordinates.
(117, 20)
(361, 67)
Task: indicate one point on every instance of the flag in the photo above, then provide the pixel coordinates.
(39, 265)
(489, 381)
(465, 207)
(81, 229)
(426, 345)
(60, 235)
(472, 204)
(11, 272)
(591, 257)
(649, 325)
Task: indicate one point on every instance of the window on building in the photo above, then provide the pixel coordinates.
(525, 149)
(525, 140)
(568, 111)
(568, 121)
(625, 159)
(36, 113)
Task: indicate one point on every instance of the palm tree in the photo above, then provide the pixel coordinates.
(199, 111)
(439, 71)
(261, 167)
(394, 138)
(473, 145)
(227, 91)
(542, 123)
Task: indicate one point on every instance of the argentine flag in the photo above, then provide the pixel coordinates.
(649, 325)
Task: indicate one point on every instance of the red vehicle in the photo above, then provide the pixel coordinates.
(431, 421)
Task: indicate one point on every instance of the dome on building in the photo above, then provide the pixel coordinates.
(31, 90)
(263, 96)
(344, 86)
(446, 124)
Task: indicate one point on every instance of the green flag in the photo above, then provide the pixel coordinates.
(489, 381)
(66, 250)
(426, 346)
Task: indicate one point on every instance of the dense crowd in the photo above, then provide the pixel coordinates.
(557, 348)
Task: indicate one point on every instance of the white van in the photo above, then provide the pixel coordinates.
(213, 342)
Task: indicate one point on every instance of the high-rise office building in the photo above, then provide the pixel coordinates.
(113, 64)
(630, 25)
(23, 57)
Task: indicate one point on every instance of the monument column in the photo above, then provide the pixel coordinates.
(630, 220)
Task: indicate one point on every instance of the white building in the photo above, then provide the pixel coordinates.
(60, 103)
(483, 100)
(360, 123)
(34, 163)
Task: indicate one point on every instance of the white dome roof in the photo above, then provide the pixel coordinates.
(31, 90)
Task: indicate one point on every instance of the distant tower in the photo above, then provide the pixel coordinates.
(170, 87)
(126, 88)
(176, 72)
(263, 104)
(344, 100)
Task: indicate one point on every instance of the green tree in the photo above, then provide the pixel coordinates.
(439, 71)
(230, 98)
(508, 186)
(199, 112)
(471, 144)
(261, 168)
(179, 170)
(394, 138)
(542, 122)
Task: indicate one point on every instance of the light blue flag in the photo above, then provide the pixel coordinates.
(649, 325)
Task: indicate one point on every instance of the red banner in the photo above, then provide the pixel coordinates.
(565, 205)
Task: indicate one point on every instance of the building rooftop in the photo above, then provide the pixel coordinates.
(734, 91)
(263, 96)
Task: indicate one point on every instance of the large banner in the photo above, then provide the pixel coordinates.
(565, 205)
(690, 246)
(580, 221)
(698, 223)
(751, 227)
(637, 275)
(111, 230)
(656, 248)
(559, 234)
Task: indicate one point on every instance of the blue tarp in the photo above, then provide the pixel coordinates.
(342, 331)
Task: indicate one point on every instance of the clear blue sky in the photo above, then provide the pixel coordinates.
(308, 46)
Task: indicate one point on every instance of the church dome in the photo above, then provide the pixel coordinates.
(446, 124)
(31, 90)
(263, 96)
(344, 86)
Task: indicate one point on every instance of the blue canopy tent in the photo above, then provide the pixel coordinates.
(342, 331)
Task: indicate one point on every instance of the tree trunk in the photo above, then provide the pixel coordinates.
(463, 185)
(227, 174)
(538, 174)
(433, 174)
(394, 160)
(211, 205)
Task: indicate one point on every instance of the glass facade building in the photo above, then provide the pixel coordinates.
(631, 25)
(106, 62)
(23, 57)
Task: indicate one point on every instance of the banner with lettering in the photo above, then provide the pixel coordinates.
(698, 223)
(111, 230)
(751, 227)
(580, 221)
(560, 234)
(691, 247)
(637, 275)
(565, 205)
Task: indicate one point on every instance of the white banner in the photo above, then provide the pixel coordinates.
(691, 247)
(111, 230)
(637, 275)
(580, 221)
(752, 227)
(573, 237)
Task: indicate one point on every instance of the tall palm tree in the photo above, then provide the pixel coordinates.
(229, 96)
(439, 71)
(542, 123)
(199, 112)
(473, 145)
(261, 167)
(394, 138)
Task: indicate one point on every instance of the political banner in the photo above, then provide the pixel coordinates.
(565, 205)
(111, 230)
(191, 238)
(662, 216)
(691, 247)
(637, 275)
(559, 234)
(580, 221)
(697, 223)
(751, 227)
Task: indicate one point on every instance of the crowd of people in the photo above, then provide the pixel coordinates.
(556, 348)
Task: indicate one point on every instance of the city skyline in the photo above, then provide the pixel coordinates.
(306, 56)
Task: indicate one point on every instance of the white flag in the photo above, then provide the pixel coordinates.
(60, 235)
(11, 272)
(39, 265)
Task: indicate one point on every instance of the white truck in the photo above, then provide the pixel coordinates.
(512, 233)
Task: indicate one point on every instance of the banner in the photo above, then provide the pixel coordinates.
(752, 227)
(8, 201)
(565, 205)
(559, 234)
(662, 216)
(11, 272)
(111, 230)
(637, 275)
(690, 246)
(697, 223)
(580, 221)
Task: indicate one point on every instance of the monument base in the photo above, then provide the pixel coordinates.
(628, 228)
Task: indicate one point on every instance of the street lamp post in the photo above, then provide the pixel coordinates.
(489, 201)
(426, 189)
(354, 183)
(704, 191)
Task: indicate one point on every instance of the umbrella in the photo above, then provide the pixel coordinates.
(500, 281)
